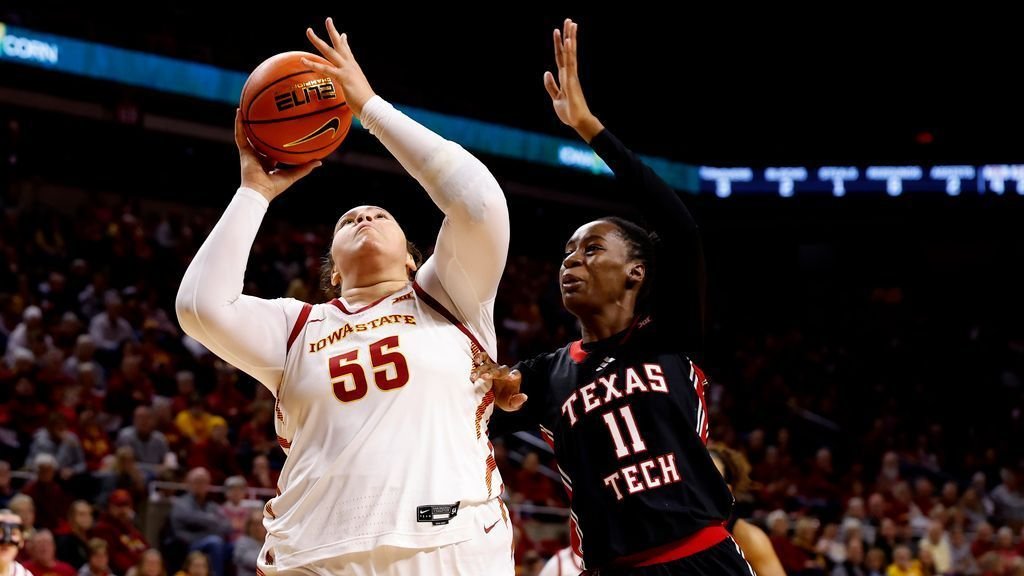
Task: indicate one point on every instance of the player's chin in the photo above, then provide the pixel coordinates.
(576, 301)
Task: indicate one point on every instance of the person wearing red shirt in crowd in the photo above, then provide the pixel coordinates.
(43, 561)
(116, 526)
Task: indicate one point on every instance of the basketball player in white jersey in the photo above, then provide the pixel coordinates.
(389, 469)
(11, 541)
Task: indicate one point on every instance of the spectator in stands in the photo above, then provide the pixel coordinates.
(875, 563)
(805, 539)
(992, 564)
(73, 545)
(533, 486)
(42, 554)
(61, 443)
(793, 559)
(99, 560)
(196, 423)
(888, 538)
(226, 399)
(856, 517)
(84, 355)
(234, 509)
(257, 434)
(196, 564)
(122, 473)
(27, 333)
(1008, 499)
(831, 546)
(984, 540)
(148, 444)
(972, 506)
(854, 564)
(185, 382)
(249, 545)
(1004, 546)
(924, 495)
(963, 561)
(215, 453)
(128, 388)
(109, 329)
(199, 523)
(937, 543)
(52, 501)
(889, 475)
(151, 563)
(117, 527)
(96, 445)
(26, 413)
(23, 507)
(979, 482)
(950, 495)
(262, 476)
(904, 564)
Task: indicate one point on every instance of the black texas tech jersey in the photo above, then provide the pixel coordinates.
(628, 423)
(626, 415)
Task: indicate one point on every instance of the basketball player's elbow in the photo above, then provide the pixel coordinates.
(482, 201)
(192, 310)
(186, 310)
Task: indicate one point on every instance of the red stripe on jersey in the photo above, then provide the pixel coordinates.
(700, 382)
(277, 409)
(269, 510)
(430, 301)
(486, 401)
(575, 536)
(547, 438)
(284, 442)
(299, 323)
(341, 306)
(698, 542)
(491, 467)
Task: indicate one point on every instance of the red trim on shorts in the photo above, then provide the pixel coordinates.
(698, 542)
(299, 323)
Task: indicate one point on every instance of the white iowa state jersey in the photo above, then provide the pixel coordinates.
(384, 431)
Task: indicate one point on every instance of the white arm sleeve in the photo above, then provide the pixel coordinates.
(250, 333)
(472, 245)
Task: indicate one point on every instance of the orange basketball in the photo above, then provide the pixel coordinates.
(293, 114)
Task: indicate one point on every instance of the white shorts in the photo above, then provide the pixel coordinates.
(488, 554)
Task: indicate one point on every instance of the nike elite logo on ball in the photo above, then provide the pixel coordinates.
(333, 125)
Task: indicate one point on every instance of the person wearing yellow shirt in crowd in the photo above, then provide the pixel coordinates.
(195, 423)
(903, 563)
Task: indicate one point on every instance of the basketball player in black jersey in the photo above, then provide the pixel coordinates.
(624, 407)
